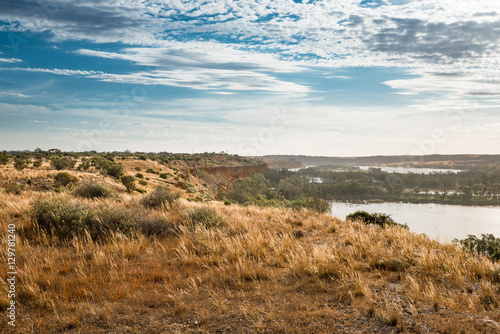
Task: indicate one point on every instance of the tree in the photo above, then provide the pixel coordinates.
(129, 182)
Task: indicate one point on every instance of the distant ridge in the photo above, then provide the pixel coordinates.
(434, 160)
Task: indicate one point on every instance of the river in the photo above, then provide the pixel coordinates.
(437, 221)
(405, 170)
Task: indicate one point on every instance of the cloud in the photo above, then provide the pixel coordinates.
(204, 79)
(10, 60)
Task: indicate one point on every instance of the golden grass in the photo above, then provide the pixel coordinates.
(255, 275)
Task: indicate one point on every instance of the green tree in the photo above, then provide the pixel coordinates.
(129, 182)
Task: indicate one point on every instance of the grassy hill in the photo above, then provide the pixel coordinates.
(152, 262)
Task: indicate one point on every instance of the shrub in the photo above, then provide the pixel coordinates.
(65, 179)
(161, 196)
(316, 204)
(205, 216)
(138, 169)
(38, 162)
(486, 245)
(20, 163)
(143, 183)
(4, 158)
(114, 170)
(64, 219)
(140, 190)
(93, 190)
(129, 182)
(164, 175)
(16, 189)
(85, 164)
(139, 176)
(156, 227)
(149, 170)
(374, 218)
(62, 163)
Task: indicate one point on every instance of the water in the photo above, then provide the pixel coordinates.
(437, 221)
(404, 170)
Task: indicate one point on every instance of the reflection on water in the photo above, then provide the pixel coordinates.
(404, 170)
(440, 222)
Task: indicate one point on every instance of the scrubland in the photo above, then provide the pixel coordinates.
(206, 267)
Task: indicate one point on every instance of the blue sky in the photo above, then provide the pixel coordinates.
(337, 78)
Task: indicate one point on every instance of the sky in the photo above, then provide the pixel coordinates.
(251, 77)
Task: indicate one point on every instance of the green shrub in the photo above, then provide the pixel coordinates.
(64, 219)
(316, 204)
(85, 164)
(139, 176)
(38, 162)
(204, 216)
(138, 169)
(114, 170)
(20, 163)
(129, 182)
(62, 163)
(161, 196)
(140, 190)
(143, 183)
(65, 179)
(149, 170)
(93, 190)
(4, 158)
(486, 245)
(164, 175)
(374, 218)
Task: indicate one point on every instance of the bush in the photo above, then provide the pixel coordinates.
(129, 182)
(149, 170)
(139, 176)
(140, 190)
(38, 162)
(138, 169)
(85, 164)
(156, 227)
(20, 163)
(93, 190)
(161, 196)
(114, 170)
(486, 245)
(316, 204)
(4, 158)
(143, 183)
(205, 216)
(64, 179)
(64, 219)
(62, 163)
(164, 175)
(374, 218)
(16, 189)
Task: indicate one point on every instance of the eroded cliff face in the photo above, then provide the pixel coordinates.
(237, 172)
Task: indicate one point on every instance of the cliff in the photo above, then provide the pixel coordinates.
(236, 172)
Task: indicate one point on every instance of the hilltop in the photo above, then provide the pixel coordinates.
(188, 263)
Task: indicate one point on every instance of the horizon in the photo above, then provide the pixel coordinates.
(334, 79)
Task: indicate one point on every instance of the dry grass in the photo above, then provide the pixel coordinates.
(256, 274)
